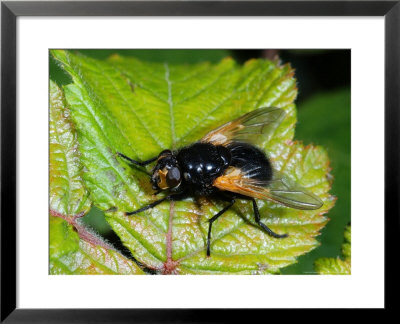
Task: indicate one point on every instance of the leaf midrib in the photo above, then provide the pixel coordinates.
(171, 105)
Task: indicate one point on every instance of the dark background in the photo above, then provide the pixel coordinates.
(323, 103)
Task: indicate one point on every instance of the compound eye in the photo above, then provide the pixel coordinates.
(173, 177)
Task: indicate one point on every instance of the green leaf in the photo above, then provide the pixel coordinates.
(162, 55)
(138, 108)
(332, 266)
(346, 247)
(70, 255)
(79, 251)
(67, 193)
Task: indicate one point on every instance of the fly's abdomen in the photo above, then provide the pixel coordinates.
(251, 160)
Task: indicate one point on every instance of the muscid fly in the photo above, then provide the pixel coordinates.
(226, 165)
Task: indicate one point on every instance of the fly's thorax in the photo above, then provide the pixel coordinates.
(167, 172)
(201, 163)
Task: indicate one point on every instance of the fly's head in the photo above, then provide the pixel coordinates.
(166, 173)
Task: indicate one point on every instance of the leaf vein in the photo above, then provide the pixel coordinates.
(128, 104)
(134, 235)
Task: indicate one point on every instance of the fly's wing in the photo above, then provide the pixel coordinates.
(285, 191)
(280, 189)
(247, 128)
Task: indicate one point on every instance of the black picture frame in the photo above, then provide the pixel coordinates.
(10, 10)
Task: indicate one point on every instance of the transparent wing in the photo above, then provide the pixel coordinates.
(247, 128)
(280, 189)
(289, 193)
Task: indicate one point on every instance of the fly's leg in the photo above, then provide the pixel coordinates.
(265, 227)
(157, 192)
(172, 197)
(213, 219)
(139, 163)
(153, 204)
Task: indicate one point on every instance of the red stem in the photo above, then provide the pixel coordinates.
(82, 230)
